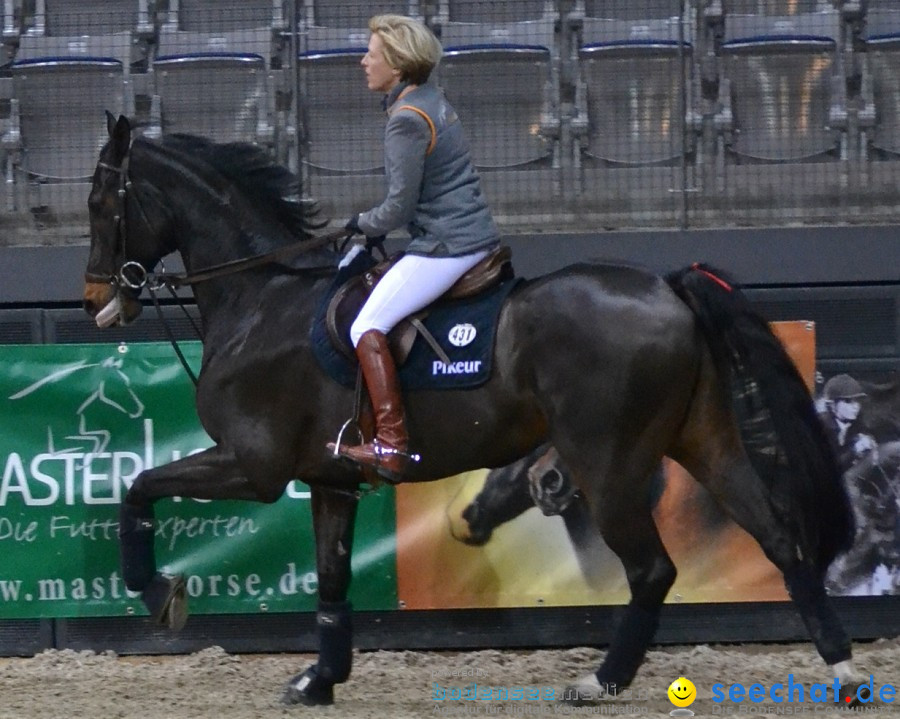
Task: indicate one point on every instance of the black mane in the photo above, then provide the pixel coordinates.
(270, 187)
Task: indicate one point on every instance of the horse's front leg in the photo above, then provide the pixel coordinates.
(211, 474)
(334, 516)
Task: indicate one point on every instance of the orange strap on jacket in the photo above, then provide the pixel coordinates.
(428, 120)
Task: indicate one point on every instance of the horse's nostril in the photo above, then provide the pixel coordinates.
(90, 307)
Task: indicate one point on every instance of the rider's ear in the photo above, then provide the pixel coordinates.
(120, 138)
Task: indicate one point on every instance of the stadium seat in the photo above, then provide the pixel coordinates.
(510, 22)
(75, 18)
(222, 16)
(74, 60)
(500, 71)
(341, 154)
(783, 106)
(216, 85)
(783, 87)
(635, 110)
(619, 20)
(213, 70)
(778, 7)
(879, 114)
(635, 124)
(882, 21)
(329, 25)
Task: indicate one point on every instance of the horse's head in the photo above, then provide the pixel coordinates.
(121, 250)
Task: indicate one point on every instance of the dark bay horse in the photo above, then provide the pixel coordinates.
(614, 366)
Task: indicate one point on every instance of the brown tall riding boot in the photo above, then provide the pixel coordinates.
(386, 454)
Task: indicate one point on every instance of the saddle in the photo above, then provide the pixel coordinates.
(350, 297)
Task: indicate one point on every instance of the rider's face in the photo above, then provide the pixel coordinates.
(380, 76)
(846, 410)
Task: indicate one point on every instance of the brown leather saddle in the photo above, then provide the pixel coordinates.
(349, 299)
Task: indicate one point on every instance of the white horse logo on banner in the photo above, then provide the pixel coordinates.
(113, 389)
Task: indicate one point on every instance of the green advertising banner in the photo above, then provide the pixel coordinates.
(78, 424)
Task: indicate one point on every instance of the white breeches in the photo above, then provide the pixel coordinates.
(412, 283)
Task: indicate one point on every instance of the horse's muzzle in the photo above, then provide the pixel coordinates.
(108, 306)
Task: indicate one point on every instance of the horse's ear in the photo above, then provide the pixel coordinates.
(119, 136)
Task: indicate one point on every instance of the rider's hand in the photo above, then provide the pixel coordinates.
(373, 242)
(353, 225)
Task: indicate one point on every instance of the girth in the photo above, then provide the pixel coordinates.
(350, 297)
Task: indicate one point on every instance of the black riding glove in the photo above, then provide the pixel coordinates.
(353, 225)
(372, 243)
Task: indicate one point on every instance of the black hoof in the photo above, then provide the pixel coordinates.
(849, 697)
(309, 689)
(166, 600)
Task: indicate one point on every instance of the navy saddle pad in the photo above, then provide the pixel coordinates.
(465, 330)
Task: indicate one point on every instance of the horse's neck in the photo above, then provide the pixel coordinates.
(210, 228)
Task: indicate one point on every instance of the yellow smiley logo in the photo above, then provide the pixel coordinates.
(682, 692)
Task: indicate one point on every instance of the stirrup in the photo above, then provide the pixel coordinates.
(352, 422)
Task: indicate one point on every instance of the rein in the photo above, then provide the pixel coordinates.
(181, 279)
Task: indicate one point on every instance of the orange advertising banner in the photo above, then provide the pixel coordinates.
(478, 540)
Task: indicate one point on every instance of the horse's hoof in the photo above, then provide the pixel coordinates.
(848, 694)
(308, 689)
(166, 599)
(586, 691)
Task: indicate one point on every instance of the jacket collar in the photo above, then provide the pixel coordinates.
(392, 96)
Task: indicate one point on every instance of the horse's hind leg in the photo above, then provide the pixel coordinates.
(621, 506)
(211, 474)
(719, 462)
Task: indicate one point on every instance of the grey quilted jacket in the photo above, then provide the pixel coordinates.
(432, 186)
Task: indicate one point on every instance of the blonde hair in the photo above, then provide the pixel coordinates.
(409, 46)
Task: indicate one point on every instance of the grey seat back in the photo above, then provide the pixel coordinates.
(218, 16)
(632, 10)
(87, 17)
(60, 106)
(218, 96)
(326, 25)
(496, 92)
(882, 44)
(343, 131)
(214, 84)
(781, 98)
(498, 11)
(777, 7)
(634, 102)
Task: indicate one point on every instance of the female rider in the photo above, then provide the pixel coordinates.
(432, 189)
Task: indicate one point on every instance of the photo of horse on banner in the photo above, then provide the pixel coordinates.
(699, 378)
